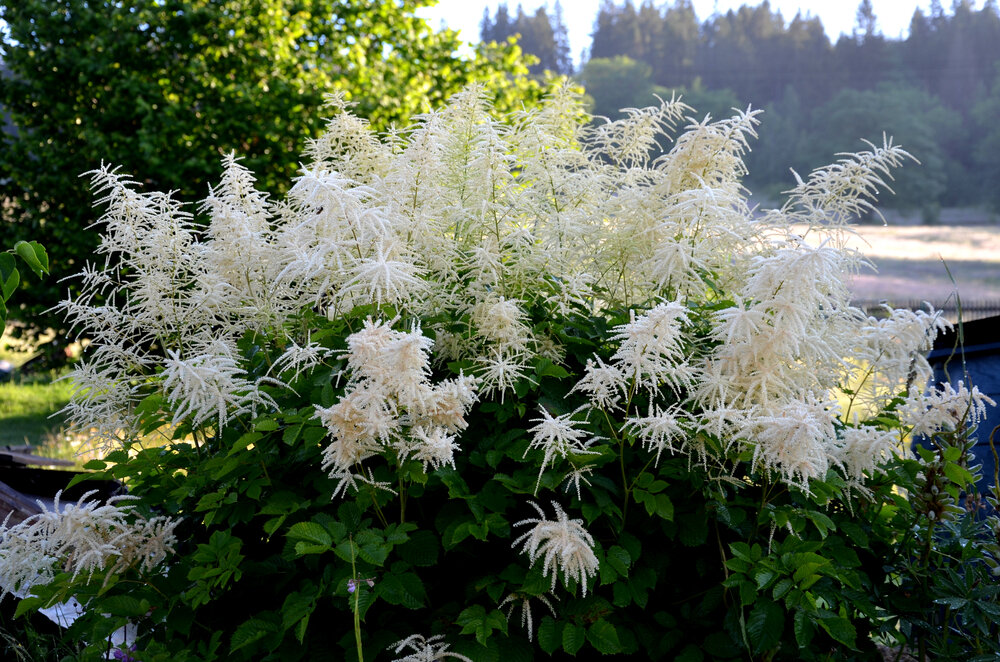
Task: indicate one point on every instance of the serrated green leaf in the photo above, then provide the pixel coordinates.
(603, 636)
(764, 626)
(763, 577)
(548, 635)
(619, 559)
(840, 629)
(249, 632)
(404, 589)
(782, 587)
(573, 638)
(822, 523)
(265, 425)
(803, 628)
(958, 474)
(298, 606)
(310, 532)
(125, 605)
(952, 453)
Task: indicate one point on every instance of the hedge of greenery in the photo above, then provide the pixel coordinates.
(487, 390)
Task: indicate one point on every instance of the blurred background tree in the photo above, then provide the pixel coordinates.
(163, 88)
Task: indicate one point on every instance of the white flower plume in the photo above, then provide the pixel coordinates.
(558, 436)
(81, 538)
(563, 543)
(425, 649)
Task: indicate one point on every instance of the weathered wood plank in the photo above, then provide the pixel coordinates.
(18, 506)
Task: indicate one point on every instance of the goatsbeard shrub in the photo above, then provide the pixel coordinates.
(506, 390)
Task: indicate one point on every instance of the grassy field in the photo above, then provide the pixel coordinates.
(911, 262)
(26, 411)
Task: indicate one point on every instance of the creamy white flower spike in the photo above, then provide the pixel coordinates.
(483, 229)
(558, 436)
(389, 404)
(425, 649)
(563, 543)
(944, 409)
(81, 538)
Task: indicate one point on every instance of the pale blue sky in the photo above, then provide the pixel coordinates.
(837, 15)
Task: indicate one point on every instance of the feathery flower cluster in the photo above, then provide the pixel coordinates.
(478, 228)
(524, 601)
(389, 404)
(558, 436)
(81, 538)
(425, 649)
(944, 409)
(567, 547)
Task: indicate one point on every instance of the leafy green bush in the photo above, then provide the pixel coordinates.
(509, 391)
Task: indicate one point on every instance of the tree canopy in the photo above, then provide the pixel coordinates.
(164, 88)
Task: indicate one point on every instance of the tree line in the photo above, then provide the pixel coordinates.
(936, 91)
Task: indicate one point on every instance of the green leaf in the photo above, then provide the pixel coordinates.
(958, 474)
(9, 275)
(604, 637)
(475, 619)
(691, 653)
(30, 603)
(573, 638)
(840, 629)
(765, 625)
(249, 632)
(265, 424)
(782, 587)
(404, 589)
(546, 368)
(298, 607)
(822, 523)
(34, 256)
(421, 549)
(953, 602)
(310, 537)
(619, 559)
(548, 635)
(125, 605)
(804, 628)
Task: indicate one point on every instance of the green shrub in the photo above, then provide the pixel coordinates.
(509, 391)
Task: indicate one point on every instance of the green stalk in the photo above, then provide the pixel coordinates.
(357, 601)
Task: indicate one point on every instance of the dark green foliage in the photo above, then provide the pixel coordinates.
(696, 563)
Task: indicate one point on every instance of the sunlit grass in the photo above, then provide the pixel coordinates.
(27, 409)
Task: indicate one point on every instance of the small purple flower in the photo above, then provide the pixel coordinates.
(123, 656)
(352, 584)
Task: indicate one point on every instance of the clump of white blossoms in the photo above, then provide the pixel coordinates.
(81, 538)
(390, 405)
(563, 544)
(478, 232)
(425, 649)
